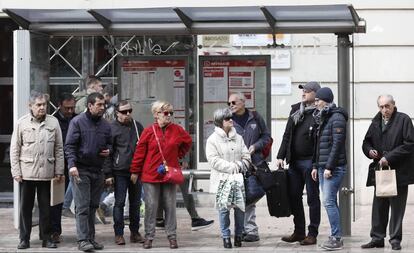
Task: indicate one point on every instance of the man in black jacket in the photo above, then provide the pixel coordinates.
(390, 142)
(64, 115)
(125, 135)
(88, 143)
(297, 149)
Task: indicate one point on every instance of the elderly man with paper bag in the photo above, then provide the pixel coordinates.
(390, 143)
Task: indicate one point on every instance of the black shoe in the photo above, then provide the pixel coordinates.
(251, 238)
(237, 241)
(48, 244)
(96, 245)
(227, 243)
(23, 245)
(395, 246)
(373, 244)
(85, 246)
(200, 223)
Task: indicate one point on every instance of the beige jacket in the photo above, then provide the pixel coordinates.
(36, 149)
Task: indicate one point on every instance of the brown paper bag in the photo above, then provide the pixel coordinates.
(385, 183)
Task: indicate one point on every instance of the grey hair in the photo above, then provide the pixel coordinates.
(239, 95)
(388, 96)
(220, 114)
(37, 95)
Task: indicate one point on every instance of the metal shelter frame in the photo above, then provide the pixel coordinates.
(341, 20)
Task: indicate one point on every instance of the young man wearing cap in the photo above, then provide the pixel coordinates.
(329, 160)
(297, 149)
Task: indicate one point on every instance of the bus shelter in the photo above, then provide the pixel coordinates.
(131, 29)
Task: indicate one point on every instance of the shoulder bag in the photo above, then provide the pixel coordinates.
(173, 175)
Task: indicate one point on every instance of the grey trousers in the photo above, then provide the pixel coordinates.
(250, 226)
(380, 214)
(153, 194)
(189, 202)
(86, 195)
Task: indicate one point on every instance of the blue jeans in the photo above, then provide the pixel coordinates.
(330, 188)
(122, 185)
(68, 196)
(299, 175)
(224, 218)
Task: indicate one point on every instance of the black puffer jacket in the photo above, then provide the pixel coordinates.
(395, 143)
(330, 149)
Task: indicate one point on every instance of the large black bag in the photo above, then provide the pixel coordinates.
(265, 176)
(277, 196)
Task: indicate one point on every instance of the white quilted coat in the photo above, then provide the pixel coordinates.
(223, 153)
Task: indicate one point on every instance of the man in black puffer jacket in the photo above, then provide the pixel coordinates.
(330, 159)
(390, 141)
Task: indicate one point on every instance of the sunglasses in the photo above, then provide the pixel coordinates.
(126, 111)
(227, 118)
(167, 113)
(231, 103)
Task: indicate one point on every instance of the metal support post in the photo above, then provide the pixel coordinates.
(344, 99)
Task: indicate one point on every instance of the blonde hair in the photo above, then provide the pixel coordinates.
(159, 105)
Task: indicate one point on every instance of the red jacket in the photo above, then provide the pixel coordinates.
(175, 143)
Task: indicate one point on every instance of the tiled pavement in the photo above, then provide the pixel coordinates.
(208, 240)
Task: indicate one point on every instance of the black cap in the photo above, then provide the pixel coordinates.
(310, 86)
(325, 94)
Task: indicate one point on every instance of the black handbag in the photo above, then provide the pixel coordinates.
(277, 197)
(254, 190)
(371, 173)
(265, 176)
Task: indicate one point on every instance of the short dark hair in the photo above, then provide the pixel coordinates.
(93, 96)
(65, 96)
(121, 103)
(109, 89)
(92, 79)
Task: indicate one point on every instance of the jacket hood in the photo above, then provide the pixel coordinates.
(334, 109)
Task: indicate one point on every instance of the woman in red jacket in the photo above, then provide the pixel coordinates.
(175, 142)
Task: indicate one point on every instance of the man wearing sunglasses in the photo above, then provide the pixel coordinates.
(125, 136)
(256, 136)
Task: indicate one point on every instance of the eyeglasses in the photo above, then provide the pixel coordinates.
(167, 113)
(231, 103)
(227, 118)
(126, 111)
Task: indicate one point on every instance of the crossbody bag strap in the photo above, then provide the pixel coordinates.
(159, 145)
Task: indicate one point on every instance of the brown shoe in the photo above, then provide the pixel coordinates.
(55, 238)
(147, 244)
(173, 244)
(136, 238)
(119, 239)
(293, 238)
(309, 240)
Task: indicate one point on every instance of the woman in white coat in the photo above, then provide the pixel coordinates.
(227, 155)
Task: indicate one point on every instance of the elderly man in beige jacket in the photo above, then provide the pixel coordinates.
(36, 156)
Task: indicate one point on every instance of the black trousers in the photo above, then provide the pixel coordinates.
(28, 189)
(380, 216)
